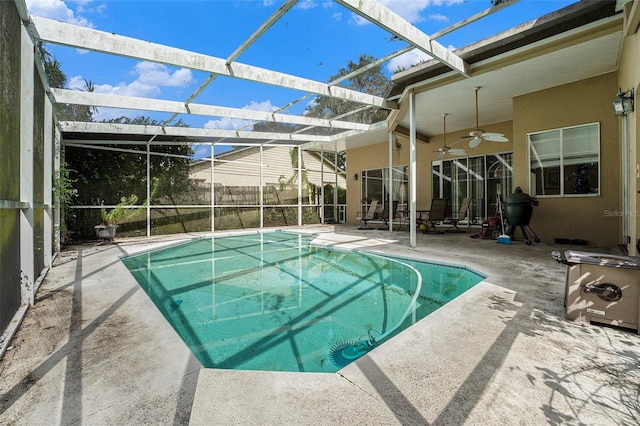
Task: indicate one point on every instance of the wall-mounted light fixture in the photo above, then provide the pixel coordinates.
(623, 103)
(355, 176)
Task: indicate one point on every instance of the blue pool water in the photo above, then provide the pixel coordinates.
(273, 301)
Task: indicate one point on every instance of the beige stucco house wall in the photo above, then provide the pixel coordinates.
(574, 217)
(589, 217)
(595, 218)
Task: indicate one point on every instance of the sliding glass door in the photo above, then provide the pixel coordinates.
(482, 178)
(375, 186)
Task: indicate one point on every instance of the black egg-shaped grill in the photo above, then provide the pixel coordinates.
(518, 208)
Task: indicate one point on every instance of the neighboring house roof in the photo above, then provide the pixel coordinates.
(247, 150)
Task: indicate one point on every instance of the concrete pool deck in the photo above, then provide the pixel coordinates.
(95, 350)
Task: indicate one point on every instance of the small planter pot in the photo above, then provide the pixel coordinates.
(106, 232)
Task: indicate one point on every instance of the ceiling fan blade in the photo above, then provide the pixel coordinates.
(467, 137)
(441, 155)
(457, 152)
(473, 143)
(495, 137)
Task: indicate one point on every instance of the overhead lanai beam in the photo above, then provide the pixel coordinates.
(385, 18)
(137, 129)
(304, 129)
(79, 97)
(99, 41)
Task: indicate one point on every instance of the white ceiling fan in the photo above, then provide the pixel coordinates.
(445, 149)
(478, 134)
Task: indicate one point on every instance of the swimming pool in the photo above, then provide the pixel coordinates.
(274, 301)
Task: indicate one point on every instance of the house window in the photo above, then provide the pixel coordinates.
(565, 162)
(479, 177)
(375, 186)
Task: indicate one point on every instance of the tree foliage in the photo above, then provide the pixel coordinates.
(52, 68)
(110, 172)
(109, 175)
(58, 79)
(372, 81)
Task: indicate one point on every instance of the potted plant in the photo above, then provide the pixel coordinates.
(122, 212)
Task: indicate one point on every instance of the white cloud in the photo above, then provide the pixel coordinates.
(407, 60)
(306, 4)
(135, 88)
(409, 10)
(410, 59)
(58, 10)
(237, 123)
(261, 106)
(150, 79)
(227, 123)
(99, 9)
(447, 2)
(438, 17)
(132, 89)
(76, 83)
(159, 75)
(201, 151)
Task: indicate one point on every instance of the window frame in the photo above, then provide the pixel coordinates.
(561, 178)
(365, 197)
(483, 201)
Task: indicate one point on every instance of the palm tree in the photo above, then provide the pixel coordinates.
(55, 76)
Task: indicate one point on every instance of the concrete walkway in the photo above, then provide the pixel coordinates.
(94, 350)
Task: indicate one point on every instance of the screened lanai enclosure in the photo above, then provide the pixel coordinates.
(173, 192)
(70, 155)
(61, 168)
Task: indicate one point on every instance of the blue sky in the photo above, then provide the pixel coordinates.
(313, 40)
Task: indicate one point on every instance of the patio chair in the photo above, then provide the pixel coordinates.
(385, 215)
(437, 213)
(401, 219)
(366, 216)
(462, 213)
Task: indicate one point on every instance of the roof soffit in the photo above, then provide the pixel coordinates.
(539, 30)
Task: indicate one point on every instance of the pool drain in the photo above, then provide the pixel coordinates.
(345, 352)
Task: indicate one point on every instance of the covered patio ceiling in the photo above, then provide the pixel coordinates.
(586, 43)
(573, 44)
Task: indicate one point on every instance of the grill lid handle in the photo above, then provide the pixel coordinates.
(605, 291)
